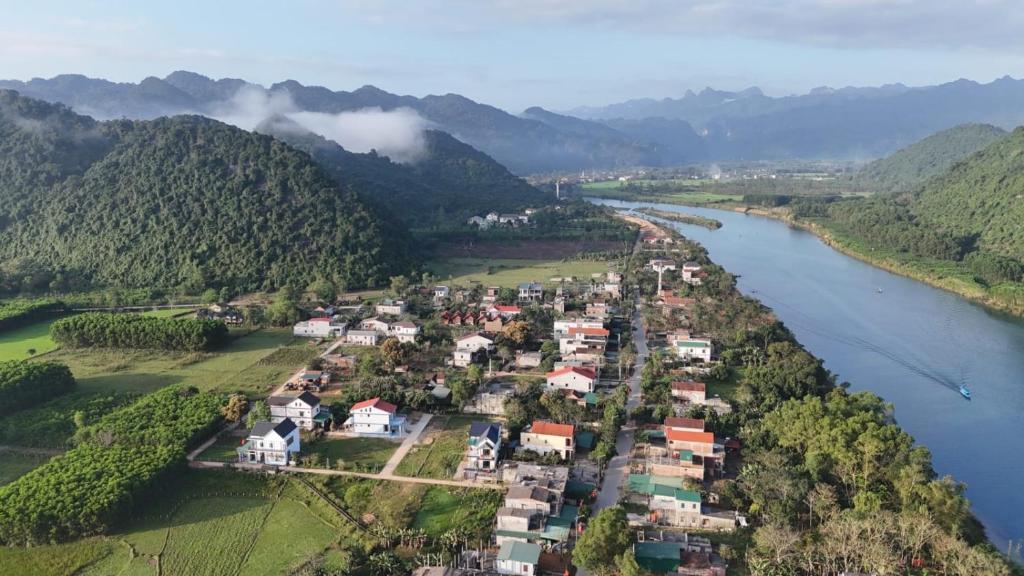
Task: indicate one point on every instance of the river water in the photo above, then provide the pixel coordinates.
(908, 342)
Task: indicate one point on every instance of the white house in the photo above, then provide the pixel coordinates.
(318, 328)
(271, 443)
(593, 340)
(543, 437)
(506, 311)
(405, 331)
(391, 307)
(530, 291)
(303, 409)
(572, 378)
(376, 324)
(483, 448)
(479, 222)
(562, 327)
(518, 558)
(694, 348)
(441, 292)
(376, 417)
(692, 273)
(362, 337)
(474, 342)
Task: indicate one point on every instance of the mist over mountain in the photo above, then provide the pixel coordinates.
(853, 123)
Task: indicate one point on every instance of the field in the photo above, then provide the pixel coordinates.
(245, 365)
(214, 523)
(222, 450)
(15, 344)
(440, 450)
(355, 453)
(14, 464)
(509, 272)
(682, 191)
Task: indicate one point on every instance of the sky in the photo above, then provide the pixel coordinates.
(513, 54)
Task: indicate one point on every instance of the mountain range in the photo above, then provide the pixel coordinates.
(711, 125)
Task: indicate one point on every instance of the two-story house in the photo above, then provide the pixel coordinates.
(303, 409)
(689, 391)
(270, 443)
(572, 378)
(483, 448)
(318, 328)
(530, 292)
(388, 307)
(375, 417)
(405, 331)
(544, 437)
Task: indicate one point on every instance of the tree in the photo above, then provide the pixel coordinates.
(283, 313)
(626, 565)
(259, 412)
(232, 411)
(399, 284)
(475, 374)
(517, 333)
(323, 289)
(392, 353)
(606, 537)
(210, 296)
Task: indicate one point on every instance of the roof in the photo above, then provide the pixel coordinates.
(307, 397)
(282, 428)
(690, 423)
(362, 332)
(666, 486)
(375, 403)
(404, 324)
(538, 493)
(589, 331)
(323, 319)
(552, 429)
(674, 435)
(689, 386)
(531, 286)
(474, 335)
(490, 430)
(693, 343)
(659, 557)
(519, 552)
(585, 372)
(506, 308)
(585, 439)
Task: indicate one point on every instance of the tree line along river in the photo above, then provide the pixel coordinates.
(908, 342)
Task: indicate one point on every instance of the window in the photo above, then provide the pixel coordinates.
(526, 568)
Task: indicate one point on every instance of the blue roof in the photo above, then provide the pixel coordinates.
(491, 430)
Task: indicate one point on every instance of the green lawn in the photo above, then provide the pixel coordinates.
(441, 456)
(240, 366)
(223, 450)
(356, 453)
(169, 312)
(15, 344)
(443, 507)
(14, 464)
(509, 272)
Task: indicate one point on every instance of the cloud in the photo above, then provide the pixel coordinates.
(397, 134)
(947, 24)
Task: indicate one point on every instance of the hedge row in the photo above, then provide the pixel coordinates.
(135, 331)
(17, 313)
(23, 384)
(119, 462)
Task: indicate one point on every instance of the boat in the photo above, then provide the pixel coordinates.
(965, 391)
(879, 290)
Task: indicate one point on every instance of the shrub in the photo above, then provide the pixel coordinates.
(23, 383)
(135, 331)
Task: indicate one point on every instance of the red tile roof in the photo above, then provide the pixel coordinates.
(687, 386)
(589, 331)
(506, 308)
(567, 369)
(552, 429)
(674, 435)
(375, 403)
(690, 423)
(319, 319)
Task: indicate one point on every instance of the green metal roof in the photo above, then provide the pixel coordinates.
(691, 344)
(658, 557)
(666, 486)
(686, 455)
(585, 439)
(519, 552)
(590, 398)
(322, 416)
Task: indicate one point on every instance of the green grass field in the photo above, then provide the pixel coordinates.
(241, 366)
(15, 344)
(169, 312)
(14, 464)
(223, 450)
(442, 507)
(441, 457)
(356, 453)
(511, 272)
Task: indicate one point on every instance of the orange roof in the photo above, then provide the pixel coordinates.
(567, 369)
(687, 386)
(674, 435)
(690, 423)
(552, 429)
(589, 331)
(505, 308)
(678, 301)
(375, 403)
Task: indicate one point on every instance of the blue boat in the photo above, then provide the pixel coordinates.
(965, 392)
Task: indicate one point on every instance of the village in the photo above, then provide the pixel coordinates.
(534, 390)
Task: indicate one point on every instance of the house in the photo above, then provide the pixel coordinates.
(492, 325)
(598, 309)
(559, 304)
(688, 424)
(303, 409)
(376, 324)
(362, 337)
(505, 311)
(572, 378)
(391, 307)
(694, 349)
(271, 443)
(463, 358)
(492, 217)
(661, 265)
(376, 417)
(562, 327)
(405, 331)
(492, 294)
(544, 437)
(584, 340)
(668, 502)
(441, 292)
(474, 342)
(483, 448)
(318, 328)
(528, 359)
(530, 292)
(518, 558)
(688, 391)
(532, 497)
(699, 443)
(479, 222)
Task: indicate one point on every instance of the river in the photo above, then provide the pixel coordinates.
(906, 341)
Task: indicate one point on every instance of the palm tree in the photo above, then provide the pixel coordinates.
(384, 564)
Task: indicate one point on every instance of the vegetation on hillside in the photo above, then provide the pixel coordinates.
(19, 312)
(23, 383)
(137, 331)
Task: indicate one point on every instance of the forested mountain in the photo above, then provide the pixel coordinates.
(449, 183)
(982, 197)
(928, 158)
(183, 202)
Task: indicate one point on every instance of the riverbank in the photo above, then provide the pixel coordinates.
(709, 223)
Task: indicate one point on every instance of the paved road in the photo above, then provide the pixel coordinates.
(407, 444)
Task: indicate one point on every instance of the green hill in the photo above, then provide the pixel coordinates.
(981, 197)
(927, 158)
(182, 202)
